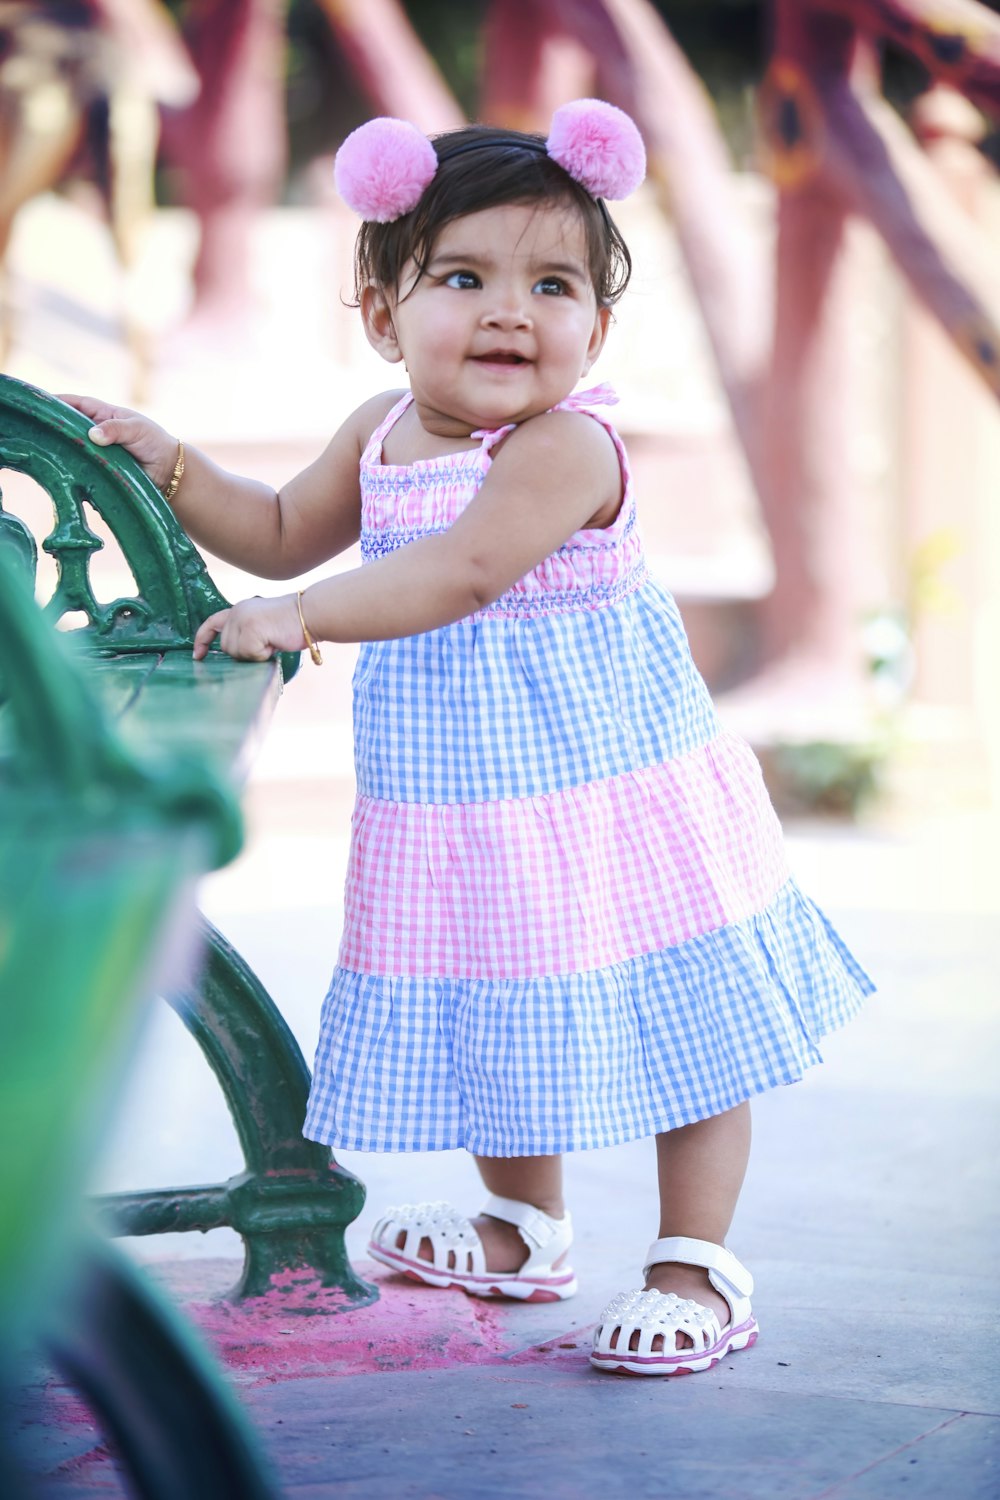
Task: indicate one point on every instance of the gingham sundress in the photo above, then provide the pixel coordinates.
(569, 920)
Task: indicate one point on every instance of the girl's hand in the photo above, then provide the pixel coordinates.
(253, 630)
(148, 444)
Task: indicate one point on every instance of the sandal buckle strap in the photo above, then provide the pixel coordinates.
(716, 1259)
(536, 1227)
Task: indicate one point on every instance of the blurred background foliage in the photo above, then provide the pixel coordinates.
(726, 41)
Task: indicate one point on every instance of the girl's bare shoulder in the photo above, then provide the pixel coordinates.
(372, 413)
(573, 450)
(571, 438)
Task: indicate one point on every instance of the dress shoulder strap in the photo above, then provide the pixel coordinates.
(594, 396)
(590, 403)
(373, 447)
(490, 436)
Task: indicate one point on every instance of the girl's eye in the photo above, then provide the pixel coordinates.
(550, 286)
(463, 281)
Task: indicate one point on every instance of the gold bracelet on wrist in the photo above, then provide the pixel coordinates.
(314, 650)
(176, 476)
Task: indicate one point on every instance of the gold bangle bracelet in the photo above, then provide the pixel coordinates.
(314, 650)
(176, 476)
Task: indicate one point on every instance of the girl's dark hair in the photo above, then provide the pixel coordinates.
(480, 166)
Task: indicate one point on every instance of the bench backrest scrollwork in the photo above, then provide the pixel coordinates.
(44, 438)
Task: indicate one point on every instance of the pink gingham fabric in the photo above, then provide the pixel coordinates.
(568, 918)
(578, 879)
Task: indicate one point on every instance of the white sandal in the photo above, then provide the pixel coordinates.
(655, 1314)
(457, 1255)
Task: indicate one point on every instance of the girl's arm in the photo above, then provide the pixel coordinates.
(554, 475)
(272, 533)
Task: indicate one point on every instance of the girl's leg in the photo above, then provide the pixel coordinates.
(701, 1169)
(529, 1179)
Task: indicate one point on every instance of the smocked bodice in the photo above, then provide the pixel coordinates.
(402, 502)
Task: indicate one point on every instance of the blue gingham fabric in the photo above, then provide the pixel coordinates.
(515, 708)
(535, 1067)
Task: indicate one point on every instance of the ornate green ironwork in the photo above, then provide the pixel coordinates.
(65, 750)
(97, 859)
(44, 438)
(292, 1202)
(94, 848)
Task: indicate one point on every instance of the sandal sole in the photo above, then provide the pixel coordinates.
(653, 1364)
(557, 1290)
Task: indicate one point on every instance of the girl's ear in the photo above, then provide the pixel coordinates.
(602, 323)
(376, 314)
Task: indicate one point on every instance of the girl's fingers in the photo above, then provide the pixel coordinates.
(235, 641)
(207, 631)
(90, 406)
(148, 444)
(153, 448)
(120, 424)
(129, 431)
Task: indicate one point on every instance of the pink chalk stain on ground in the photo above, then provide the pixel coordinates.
(303, 1328)
(67, 1413)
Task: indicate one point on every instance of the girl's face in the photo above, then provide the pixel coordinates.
(502, 324)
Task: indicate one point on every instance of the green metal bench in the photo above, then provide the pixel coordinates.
(292, 1202)
(98, 858)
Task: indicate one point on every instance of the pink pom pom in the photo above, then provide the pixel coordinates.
(383, 167)
(599, 146)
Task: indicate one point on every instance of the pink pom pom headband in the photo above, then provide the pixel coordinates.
(384, 167)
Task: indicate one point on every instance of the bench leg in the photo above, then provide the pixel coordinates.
(153, 1388)
(293, 1202)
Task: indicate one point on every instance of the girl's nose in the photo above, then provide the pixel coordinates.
(508, 312)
